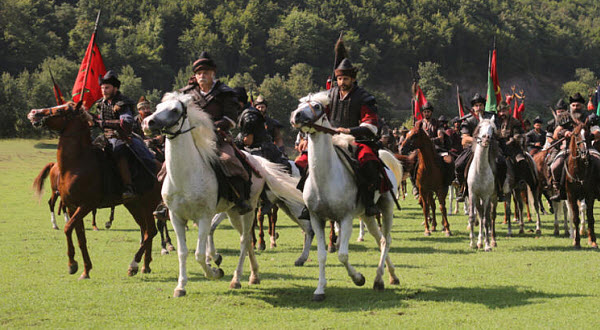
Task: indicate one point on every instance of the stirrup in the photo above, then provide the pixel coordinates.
(128, 193)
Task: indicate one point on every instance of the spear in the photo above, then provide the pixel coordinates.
(87, 70)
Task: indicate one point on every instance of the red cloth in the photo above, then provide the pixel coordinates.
(367, 115)
(494, 74)
(365, 154)
(420, 101)
(97, 69)
(302, 161)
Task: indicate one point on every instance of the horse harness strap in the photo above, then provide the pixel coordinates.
(319, 128)
(182, 119)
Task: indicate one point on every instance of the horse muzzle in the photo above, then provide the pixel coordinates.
(36, 117)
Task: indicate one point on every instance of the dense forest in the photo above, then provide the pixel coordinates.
(284, 49)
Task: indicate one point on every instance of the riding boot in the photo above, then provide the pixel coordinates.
(369, 181)
(561, 194)
(123, 166)
(463, 193)
(238, 185)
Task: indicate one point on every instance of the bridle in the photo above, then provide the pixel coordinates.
(317, 127)
(580, 153)
(182, 117)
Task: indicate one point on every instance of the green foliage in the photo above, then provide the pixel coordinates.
(131, 85)
(435, 86)
(585, 83)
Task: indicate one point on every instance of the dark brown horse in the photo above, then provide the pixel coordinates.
(581, 174)
(430, 178)
(81, 185)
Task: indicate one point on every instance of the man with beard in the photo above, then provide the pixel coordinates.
(115, 113)
(354, 111)
(536, 138)
(510, 134)
(565, 129)
(467, 128)
(273, 126)
(219, 101)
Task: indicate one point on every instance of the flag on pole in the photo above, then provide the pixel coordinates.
(493, 92)
(420, 101)
(92, 67)
(57, 93)
(461, 108)
(494, 74)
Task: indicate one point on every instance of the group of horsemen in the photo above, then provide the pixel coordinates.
(352, 110)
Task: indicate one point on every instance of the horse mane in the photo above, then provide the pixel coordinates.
(494, 148)
(321, 97)
(204, 130)
(343, 140)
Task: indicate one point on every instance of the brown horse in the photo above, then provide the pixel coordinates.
(81, 184)
(430, 178)
(581, 174)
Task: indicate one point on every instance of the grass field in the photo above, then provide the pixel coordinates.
(527, 282)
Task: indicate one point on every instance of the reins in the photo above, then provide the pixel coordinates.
(182, 118)
(319, 128)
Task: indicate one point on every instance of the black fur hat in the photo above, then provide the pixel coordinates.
(561, 105)
(538, 120)
(477, 99)
(428, 106)
(205, 62)
(577, 98)
(109, 78)
(345, 69)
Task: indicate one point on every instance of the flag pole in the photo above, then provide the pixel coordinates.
(87, 69)
(53, 84)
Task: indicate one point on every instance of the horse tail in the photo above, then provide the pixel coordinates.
(394, 165)
(38, 183)
(278, 180)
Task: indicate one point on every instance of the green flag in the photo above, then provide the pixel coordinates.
(490, 103)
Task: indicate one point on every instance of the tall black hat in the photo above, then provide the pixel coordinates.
(109, 78)
(477, 99)
(561, 105)
(205, 62)
(577, 98)
(346, 69)
(538, 120)
(428, 106)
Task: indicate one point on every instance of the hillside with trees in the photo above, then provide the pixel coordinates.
(284, 49)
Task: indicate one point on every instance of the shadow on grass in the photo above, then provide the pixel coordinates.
(338, 299)
(42, 145)
(493, 297)
(566, 248)
(430, 250)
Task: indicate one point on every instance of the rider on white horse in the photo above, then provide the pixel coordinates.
(220, 102)
(354, 111)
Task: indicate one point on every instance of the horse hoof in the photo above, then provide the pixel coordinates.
(218, 259)
(146, 270)
(164, 251)
(273, 245)
(254, 280)
(360, 239)
(472, 246)
(108, 225)
(132, 271)
(170, 247)
(427, 233)
(479, 245)
(433, 229)
(594, 245)
(73, 268)
(318, 297)
(521, 232)
(220, 273)
(299, 263)
(394, 281)
(538, 231)
(84, 276)
(235, 285)
(556, 233)
(488, 249)
(494, 244)
(94, 228)
(179, 293)
(331, 249)
(378, 286)
(448, 233)
(360, 281)
(260, 247)
(55, 227)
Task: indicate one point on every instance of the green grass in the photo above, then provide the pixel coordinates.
(526, 282)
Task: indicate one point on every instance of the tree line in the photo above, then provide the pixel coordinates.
(284, 49)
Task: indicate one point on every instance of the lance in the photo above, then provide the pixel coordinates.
(87, 69)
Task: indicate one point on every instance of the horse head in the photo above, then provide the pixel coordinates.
(56, 118)
(413, 139)
(578, 145)
(169, 117)
(311, 112)
(484, 132)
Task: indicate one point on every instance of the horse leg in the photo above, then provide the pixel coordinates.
(182, 252)
(161, 225)
(519, 211)
(260, 217)
(494, 204)
(582, 210)
(487, 224)
(591, 223)
(146, 218)
(111, 218)
(272, 225)
(480, 206)
(51, 204)
(507, 215)
(77, 215)
(451, 200)
(387, 206)
(575, 216)
(87, 262)
(472, 216)
(525, 200)
(432, 212)
(345, 232)
(94, 227)
(361, 231)
(242, 223)
(332, 238)
(309, 234)
(442, 198)
(210, 242)
(319, 230)
(423, 200)
(170, 246)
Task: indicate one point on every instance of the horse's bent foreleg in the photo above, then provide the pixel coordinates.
(77, 215)
(203, 230)
(345, 232)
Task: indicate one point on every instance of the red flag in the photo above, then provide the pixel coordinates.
(494, 74)
(420, 101)
(87, 80)
(461, 108)
(328, 83)
(57, 93)
(515, 112)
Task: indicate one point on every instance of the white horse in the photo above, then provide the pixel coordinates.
(330, 192)
(481, 183)
(190, 189)
(396, 167)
